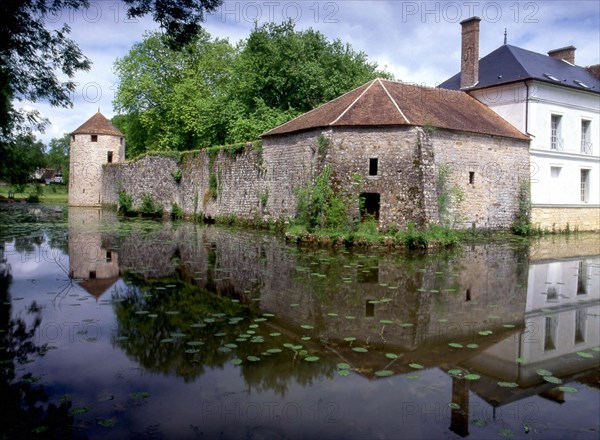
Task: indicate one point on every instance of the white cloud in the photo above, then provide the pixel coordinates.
(417, 41)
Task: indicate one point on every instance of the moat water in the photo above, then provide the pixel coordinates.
(142, 329)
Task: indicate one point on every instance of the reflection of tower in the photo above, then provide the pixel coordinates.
(94, 144)
(89, 260)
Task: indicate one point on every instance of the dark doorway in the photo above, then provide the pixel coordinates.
(370, 205)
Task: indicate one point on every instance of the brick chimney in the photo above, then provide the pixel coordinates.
(564, 53)
(469, 64)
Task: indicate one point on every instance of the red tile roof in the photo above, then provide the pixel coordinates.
(98, 124)
(382, 102)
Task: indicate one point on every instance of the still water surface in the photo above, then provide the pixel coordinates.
(141, 329)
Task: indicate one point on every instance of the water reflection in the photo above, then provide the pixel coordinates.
(212, 306)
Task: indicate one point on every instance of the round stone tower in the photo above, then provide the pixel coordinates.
(95, 143)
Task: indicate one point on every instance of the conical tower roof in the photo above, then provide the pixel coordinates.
(98, 124)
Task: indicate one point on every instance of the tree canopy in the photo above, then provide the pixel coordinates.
(212, 93)
(39, 64)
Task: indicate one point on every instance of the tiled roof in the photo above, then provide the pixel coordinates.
(508, 64)
(382, 102)
(98, 124)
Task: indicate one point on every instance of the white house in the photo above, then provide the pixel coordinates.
(558, 104)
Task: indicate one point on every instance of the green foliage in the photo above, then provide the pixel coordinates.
(323, 144)
(522, 222)
(177, 175)
(264, 197)
(57, 156)
(176, 212)
(35, 194)
(449, 197)
(21, 158)
(38, 61)
(125, 203)
(213, 185)
(211, 93)
(149, 207)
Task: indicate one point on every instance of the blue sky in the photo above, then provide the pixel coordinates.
(417, 41)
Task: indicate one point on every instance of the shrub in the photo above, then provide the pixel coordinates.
(177, 175)
(125, 203)
(522, 223)
(149, 207)
(176, 211)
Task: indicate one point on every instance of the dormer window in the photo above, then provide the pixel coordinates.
(94, 138)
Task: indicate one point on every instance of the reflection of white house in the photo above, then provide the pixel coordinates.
(562, 317)
(558, 104)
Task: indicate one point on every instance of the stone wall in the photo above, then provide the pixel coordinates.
(399, 176)
(254, 182)
(583, 218)
(499, 166)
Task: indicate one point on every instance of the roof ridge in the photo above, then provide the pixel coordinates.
(316, 108)
(393, 101)
(353, 102)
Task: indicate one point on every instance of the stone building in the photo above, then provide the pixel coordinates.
(93, 144)
(387, 142)
(556, 102)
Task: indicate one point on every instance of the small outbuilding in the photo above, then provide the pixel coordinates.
(410, 153)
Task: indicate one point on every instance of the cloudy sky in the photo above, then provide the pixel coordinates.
(417, 42)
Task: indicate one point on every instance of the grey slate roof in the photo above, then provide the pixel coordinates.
(509, 64)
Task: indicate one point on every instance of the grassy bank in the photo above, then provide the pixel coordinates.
(53, 194)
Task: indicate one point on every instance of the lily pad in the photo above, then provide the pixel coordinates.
(140, 395)
(472, 376)
(472, 346)
(253, 358)
(455, 345)
(568, 389)
(307, 326)
(521, 360)
(485, 332)
(415, 366)
(274, 350)
(344, 373)
(454, 405)
(384, 373)
(311, 358)
(274, 334)
(391, 356)
(585, 355)
(455, 372)
(107, 423)
(343, 366)
(164, 341)
(236, 361)
(552, 379)
(542, 372)
(349, 339)
(360, 349)
(508, 384)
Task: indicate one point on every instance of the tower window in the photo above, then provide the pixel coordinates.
(373, 164)
(109, 156)
(94, 138)
(471, 177)
(121, 141)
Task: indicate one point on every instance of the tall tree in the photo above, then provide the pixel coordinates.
(57, 156)
(211, 93)
(32, 57)
(25, 155)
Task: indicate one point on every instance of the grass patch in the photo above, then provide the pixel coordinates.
(51, 194)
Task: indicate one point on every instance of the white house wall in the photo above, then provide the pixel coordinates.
(555, 194)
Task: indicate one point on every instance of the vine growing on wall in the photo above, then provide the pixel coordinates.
(449, 197)
(522, 223)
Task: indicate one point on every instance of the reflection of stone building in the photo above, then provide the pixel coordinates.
(89, 260)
